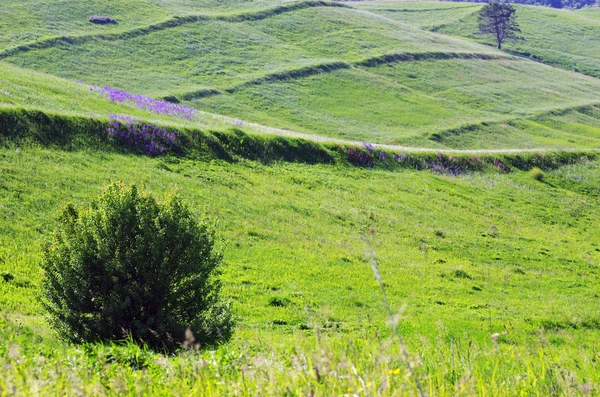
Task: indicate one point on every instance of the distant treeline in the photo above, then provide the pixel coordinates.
(549, 3)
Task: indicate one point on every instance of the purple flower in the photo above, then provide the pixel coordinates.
(151, 139)
(147, 103)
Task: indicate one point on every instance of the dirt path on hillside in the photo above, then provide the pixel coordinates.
(262, 129)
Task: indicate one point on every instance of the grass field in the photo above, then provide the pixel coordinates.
(466, 251)
(423, 14)
(406, 102)
(307, 67)
(217, 53)
(492, 268)
(564, 38)
(574, 44)
(27, 21)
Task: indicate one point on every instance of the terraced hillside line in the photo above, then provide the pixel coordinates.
(442, 135)
(424, 56)
(169, 23)
(272, 77)
(417, 9)
(261, 129)
(397, 148)
(328, 67)
(437, 28)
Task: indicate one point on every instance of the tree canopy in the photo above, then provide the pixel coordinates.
(499, 20)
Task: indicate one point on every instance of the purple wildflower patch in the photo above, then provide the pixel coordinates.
(147, 103)
(362, 157)
(149, 139)
(370, 156)
(499, 164)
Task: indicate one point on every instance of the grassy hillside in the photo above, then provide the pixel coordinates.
(411, 106)
(26, 21)
(466, 251)
(352, 75)
(331, 70)
(423, 14)
(408, 102)
(28, 89)
(574, 43)
(491, 266)
(43, 94)
(221, 53)
(568, 39)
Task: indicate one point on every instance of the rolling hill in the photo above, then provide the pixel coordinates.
(484, 229)
(564, 38)
(332, 70)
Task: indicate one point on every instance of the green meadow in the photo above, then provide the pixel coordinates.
(406, 102)
(574, 44)
(222, 52)
(332, 70)
(28, 21)
(564, 38)
(424, 14)
(462, 258)
(490, 266)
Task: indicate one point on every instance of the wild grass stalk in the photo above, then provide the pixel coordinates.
(372, 257)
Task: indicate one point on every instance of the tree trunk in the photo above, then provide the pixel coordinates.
(498, 40)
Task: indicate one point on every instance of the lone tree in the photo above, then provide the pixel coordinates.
(129, 266)
(499, 19)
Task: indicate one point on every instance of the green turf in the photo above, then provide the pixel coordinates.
(423, 14)
(564, 38)
(221, 54)
(278, 68)
(574, 43)
(25, 21)
(406, 102)
(494, 275)
(526, 251)
(27, 89)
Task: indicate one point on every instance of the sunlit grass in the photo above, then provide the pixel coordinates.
(467, 257)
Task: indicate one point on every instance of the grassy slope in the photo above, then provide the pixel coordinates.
(293, 231)
(575, 38)
(33, 90)
(222, 54)
(25, 21)
(384, 104)
(423, 14)
(453, 106)
(406, 102)
(564, 38)
(530, 248)
(28, 89)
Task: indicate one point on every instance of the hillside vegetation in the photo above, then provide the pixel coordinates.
(28, 21)
(568, 39)
(233, 48)
(489, 260)
(333, 70)
(480, 254)
(31, 90)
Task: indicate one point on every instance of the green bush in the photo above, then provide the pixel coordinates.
(129, 267)
(537, 174)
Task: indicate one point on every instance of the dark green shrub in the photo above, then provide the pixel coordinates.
(131, 267)
(461, 274)
(7, 276)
